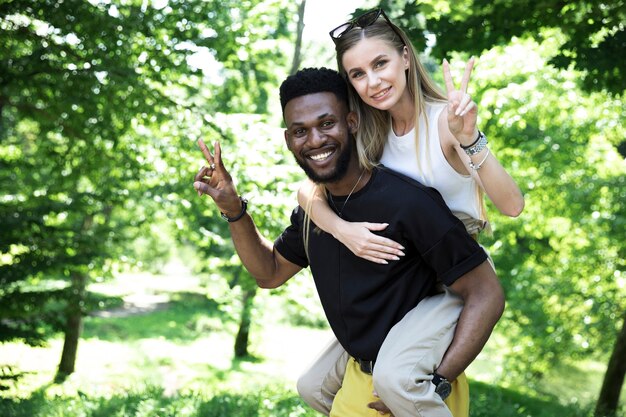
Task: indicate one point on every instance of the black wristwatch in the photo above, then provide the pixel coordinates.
(244, 206)
(442, 386)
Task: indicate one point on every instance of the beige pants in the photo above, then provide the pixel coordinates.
(413, 349)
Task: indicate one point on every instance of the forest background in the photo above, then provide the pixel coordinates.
(120, 291)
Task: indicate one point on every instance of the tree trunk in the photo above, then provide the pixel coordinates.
(608, 401)
(73, 317)
(73, 326)
(295, 64)
(243, 335)
(2, 129)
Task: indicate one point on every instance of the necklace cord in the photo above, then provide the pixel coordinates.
(330, 197)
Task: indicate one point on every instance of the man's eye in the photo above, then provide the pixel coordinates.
(298, 132)
(328, 124)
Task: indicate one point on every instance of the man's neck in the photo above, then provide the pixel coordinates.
(355, 179)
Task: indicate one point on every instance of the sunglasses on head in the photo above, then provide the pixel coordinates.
(363, 21)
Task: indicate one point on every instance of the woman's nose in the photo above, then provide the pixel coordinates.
(373, 79)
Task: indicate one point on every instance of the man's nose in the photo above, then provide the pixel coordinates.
(316, 137)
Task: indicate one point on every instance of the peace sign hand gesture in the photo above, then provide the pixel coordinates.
(462, 110)
(215, 181)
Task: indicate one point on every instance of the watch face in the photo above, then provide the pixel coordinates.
(444, 389)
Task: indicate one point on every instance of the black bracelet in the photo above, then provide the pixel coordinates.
(473, 143)
(244, 206)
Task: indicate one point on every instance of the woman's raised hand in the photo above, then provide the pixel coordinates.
(358, 237)
(462, 110)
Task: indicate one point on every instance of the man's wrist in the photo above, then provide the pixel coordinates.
(231, 217)
(443, 387)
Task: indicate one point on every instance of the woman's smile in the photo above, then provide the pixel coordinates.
(381, 94)
(370, 65)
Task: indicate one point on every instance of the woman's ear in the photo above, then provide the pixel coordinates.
(405, 57)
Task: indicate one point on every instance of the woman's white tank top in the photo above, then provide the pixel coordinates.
(428, 165)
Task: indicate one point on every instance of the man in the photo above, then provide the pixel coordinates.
(363, 302)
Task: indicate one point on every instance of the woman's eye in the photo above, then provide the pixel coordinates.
(380, 63)
(357, 74)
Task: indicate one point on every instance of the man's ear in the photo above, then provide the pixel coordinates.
(353, 122)
(287, 140)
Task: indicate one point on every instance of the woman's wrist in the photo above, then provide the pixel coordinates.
(479, 145)
(337, 228)
(469, 141)
(478, 159)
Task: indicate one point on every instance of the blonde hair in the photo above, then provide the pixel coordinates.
(306, 222)
(374, 124)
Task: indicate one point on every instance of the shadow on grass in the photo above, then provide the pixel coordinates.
(184, 318)
(266, 401)
(489, 400)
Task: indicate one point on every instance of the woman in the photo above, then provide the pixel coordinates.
(408, 125)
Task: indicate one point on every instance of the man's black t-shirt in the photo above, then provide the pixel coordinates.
(364, 300)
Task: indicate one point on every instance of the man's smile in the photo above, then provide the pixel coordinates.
(320, 155)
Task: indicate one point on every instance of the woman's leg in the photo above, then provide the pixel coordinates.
(320, 382)
(411, 352)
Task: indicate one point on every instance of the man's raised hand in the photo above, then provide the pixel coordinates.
(215, 181)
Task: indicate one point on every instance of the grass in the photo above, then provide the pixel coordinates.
(266, 402)
(175, 359)
(185, 318)
(272, 400)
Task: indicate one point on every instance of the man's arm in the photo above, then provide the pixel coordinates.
(484, 303)
(258, 255)
(265, 264)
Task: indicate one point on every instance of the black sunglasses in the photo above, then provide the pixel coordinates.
(363, 21)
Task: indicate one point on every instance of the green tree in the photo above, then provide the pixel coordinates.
(254, 152)
(562, 260)
(590, 33)
(563, 265)
(82, 86)
(608, 400)
(260, 168)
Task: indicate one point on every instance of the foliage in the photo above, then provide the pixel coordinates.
(268, 401)
(187, 315)
(87, 91)
(591, 33)
(101, 103)
(264, 171)
(302, 306)
(562, 260)
(119, 378)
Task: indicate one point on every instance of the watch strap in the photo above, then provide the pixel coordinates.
(443, 387)
(437, 379)
(244, 207)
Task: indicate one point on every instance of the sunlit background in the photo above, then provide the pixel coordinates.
(120, 291)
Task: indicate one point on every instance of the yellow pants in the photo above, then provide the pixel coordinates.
(357, 391)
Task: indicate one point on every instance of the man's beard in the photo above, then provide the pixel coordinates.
(335, 175)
